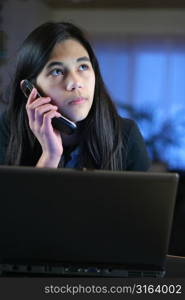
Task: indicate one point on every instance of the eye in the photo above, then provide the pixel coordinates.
(56, 72)
(83, 67)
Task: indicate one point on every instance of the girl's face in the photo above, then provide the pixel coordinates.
(69, 79)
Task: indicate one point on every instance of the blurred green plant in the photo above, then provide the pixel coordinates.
(160, 132)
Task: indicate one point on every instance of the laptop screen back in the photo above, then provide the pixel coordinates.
(121, 218)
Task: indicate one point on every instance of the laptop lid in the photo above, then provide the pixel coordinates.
(82, 217)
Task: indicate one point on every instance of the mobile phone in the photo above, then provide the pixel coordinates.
(62, 124)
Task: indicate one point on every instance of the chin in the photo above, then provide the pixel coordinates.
(78, 117)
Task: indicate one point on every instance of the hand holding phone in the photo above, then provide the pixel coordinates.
(40, 112)
(62, 124)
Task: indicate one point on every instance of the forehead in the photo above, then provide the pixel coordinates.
(68, 49)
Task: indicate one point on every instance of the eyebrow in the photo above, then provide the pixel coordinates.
(59, 63)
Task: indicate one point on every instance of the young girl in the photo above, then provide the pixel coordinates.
(59, 61)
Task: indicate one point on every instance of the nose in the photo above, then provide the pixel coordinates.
(73, 82)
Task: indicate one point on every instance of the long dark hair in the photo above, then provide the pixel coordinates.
(101, 145)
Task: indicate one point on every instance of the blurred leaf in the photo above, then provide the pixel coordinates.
(169, 132)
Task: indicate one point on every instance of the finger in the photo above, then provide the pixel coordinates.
(41, 110)
(32, 96)
(48, 118)
(31, 112)
(38, 102)
(33, 104)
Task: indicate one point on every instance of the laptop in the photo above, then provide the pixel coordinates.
(66, 222)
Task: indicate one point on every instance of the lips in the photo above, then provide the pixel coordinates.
(77, 100)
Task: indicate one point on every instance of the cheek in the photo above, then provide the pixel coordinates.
(54, 93)
(42, 85)
(91, 84)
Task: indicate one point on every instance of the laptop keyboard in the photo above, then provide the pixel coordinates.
(75, 271)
